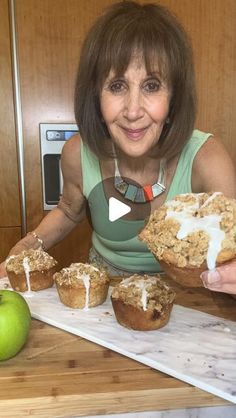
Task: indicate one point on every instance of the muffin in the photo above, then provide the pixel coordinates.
(142, 303)
(81, 286)
(192, 233)
(31, 270)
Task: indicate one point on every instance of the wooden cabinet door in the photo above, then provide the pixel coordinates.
(211, 25)
(10, 216)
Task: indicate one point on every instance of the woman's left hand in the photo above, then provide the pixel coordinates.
(221, 279)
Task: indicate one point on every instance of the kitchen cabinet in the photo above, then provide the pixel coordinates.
(10, 214)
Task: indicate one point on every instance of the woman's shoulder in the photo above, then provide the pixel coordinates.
(213, 168)
(212, 147)
(196, 140)
(194, 144)
(200, 135)
(72, 145)
(70, 157)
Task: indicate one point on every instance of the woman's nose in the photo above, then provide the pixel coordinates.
(133, 106)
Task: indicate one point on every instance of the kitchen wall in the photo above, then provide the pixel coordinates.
(49, 35)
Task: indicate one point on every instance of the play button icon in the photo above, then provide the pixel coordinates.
(112, 216)
(117, 209)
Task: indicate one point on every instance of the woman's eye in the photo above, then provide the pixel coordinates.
(152, 86)
(117, 87)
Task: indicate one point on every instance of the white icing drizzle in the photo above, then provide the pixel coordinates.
(189, 208)
(86, 281)
(85, 278)
(143, 294)
(77, 265)
(140, 284)
(210, 198)
(126, 282)
(209, 224)
(27, 275)
(80, 275)
(9, 258)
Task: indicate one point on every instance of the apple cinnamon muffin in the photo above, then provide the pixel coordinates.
(31, 270)
(81, 285)
(142, 302)
(192, 233)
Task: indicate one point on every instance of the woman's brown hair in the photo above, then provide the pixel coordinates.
(125, 28)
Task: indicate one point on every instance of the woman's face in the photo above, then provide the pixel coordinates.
(135, 108)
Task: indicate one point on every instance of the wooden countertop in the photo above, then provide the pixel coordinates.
(60, 374)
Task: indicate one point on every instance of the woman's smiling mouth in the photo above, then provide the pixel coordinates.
(134, 134)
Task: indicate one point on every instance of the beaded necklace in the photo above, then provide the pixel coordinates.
(141, 194)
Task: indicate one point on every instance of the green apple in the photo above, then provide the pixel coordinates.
(15, 322)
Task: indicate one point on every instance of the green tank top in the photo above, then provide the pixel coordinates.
(125, 253)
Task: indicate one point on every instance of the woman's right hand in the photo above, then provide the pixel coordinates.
(24, 244)
(222, 279)
(15, 250)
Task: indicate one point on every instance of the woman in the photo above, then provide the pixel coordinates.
(135, 107)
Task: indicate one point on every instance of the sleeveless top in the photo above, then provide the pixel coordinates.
(130, 254)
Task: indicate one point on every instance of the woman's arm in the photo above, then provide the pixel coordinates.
(213, 169)
(70, 210)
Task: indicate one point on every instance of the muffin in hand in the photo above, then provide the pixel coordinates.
(31, 270)
(192, 233)
(142, 303)
(81, 286)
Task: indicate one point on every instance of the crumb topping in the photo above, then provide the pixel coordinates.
(145, 292)
(80, 274)
(37, 260)
(192, 229)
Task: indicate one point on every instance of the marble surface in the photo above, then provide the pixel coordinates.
(195, 347)
(208, 412)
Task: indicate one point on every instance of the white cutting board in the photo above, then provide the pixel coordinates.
(195, 347)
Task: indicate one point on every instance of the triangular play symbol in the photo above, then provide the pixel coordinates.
(117, 209)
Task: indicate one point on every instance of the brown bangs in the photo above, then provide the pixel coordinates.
(135, 39)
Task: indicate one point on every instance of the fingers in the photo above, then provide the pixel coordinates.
(221, 279)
